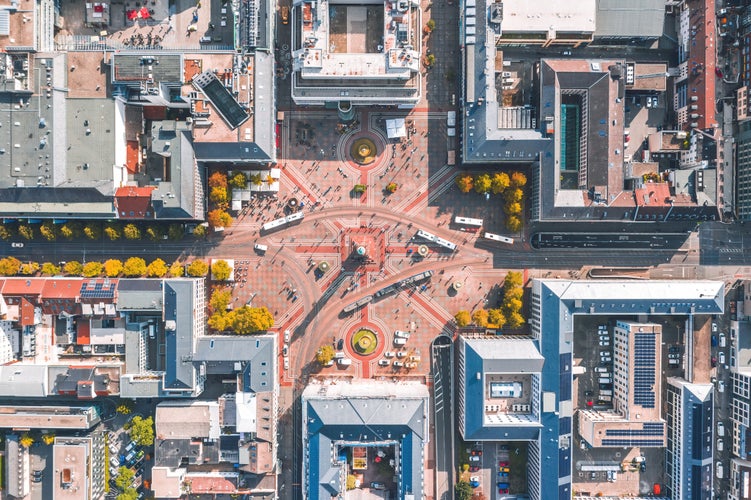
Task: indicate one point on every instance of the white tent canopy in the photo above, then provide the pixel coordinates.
(396, 128)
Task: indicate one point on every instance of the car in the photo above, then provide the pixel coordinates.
(474, 468)
(503, 486)
(114, 461)
(140, 454)
(713, 361)
(340, 344)
(503, 463)
(714, 340)
(502, 474)
(401, 333)
(721, 386)
(401, 354)
(389, 354)
(474, 481)
(285, 14)
(114, 471)
(16, 244)
(286, 363)
(649, 102)
(285, 350)
(131, 446)
(114, 448)
(586, 393)
(474, 458)
(718, 71)
(722, 357)
(606, 359)
(399, 364)
(604, 343)
(654, 101)
(674, 356)
(384, 362)
(504, 469)
(286, 336)
(476, 453)
(566, 53)
(377, 486)
(723, 340)
(714, 327)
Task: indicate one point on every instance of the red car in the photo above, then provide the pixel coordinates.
(503, 491)
(474, 468)
(718, 71)
(503, 464)
(477, 453)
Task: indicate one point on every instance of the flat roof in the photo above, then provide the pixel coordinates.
(70, 474)
(224, 102)
(548, 16)
(632, 19)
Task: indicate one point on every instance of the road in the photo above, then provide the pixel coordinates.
(443, 424)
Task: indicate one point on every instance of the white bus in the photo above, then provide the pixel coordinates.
(445, 244)
(498, 237)
(295, 216)
(426, 235)
(274, 224)
(466, 221)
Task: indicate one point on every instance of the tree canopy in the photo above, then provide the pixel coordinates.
(325, 354)
(113, 267)
(128, 494)
(220, 270)
(463, 490)
(124, 478)
(9, 266)
(198, 268)
(142, 430)
(156, 269)
(92, 269)
(250, 319)
(134, 266)
(73, 267)
(176, 270)
(462, 318)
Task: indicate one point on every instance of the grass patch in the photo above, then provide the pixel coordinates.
(106, 463)
(2, 472)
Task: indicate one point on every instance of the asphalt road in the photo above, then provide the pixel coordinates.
(443, 424)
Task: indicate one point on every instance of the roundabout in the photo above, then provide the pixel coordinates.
(363, 151)
(364, 342)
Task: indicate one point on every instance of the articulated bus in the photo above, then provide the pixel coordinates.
(466, 221)
(498, 237)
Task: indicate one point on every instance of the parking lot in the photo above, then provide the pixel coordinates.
(498, 469)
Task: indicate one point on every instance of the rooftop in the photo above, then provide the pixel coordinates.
(548, 16)
(197, 419)
(634, 19)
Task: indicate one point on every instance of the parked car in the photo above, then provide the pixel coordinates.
(286, 336)
(721, 386)
(377, 486)
(722, 358)
(604, 343)
(474, 481)
(504, 469)
(713, 361)
(399, 364)
(340, 344)
(384, 362)
(723, 340)
(17, 244)
(389, 354)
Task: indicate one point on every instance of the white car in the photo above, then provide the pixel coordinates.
(401, 333)
(401, 354)
(722, 358)
(721, 386)
(384, 362)
(286, 363)
(389, 354)
(286, 336)
(398, 364)
(17, 245)
(604, 343)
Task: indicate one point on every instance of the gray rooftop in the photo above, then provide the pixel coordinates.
(170, 452)
(23, 381)
(90, 126)
(633, 19)
(505, 355)
(181, 374)
(139, 294)
(254, 355)
(171, 158)
(134, 68)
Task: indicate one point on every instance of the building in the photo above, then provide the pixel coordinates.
(546, 23)
(349, 53)
(78, 467)
(688, 462)
(543, 417)
(740, 479)
(743, 170)
(17, 468)
(636, 418)
(347, 425)
(637, 22)
(23, 417)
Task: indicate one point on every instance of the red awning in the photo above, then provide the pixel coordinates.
(132, 14)
(144, 13)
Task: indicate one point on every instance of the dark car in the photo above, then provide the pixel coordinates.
(714, 361)
(477, 453)
(718, 71)
(474, 468)
(643, 467)
(340, 344)
(714, 340)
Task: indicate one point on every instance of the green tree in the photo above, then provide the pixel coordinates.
(134, 266)
(29, 268)
(6, 232)
(513, 223)
(360, 188)
(112, 232)
(9, 266)
(125, 407)
(25, 231)
(462, 318)
(198, 269)
(92, 269)
(482, 183)
(480, 318)
(70, 230)
(513, 293)
(175, 232)
(26, 440)
(73, 268)
(92, 230)
(512, 306)
(513, 279)
(496, 319)
(463, 490)
(176, 270)
(199, 231)
(124, 478)
(251, 319)
(465, 183)
(499, 182)
(131, 232)
(518, 179)
(515, 320)
(430, 60)
(219, 218)
(391, 187)
(47, 230)
(142, 430)
(112, 268)
(238, 180)
(156, 269)
(256, 179)
(50, 269)
(128, 494)
(153, 234)
(48, 438)
(220, 270)
(430, 24)
(219, 301)
(325, 354)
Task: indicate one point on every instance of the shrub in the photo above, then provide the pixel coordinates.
(238, 180)
(325, 354)
(360, 188)
(391, 187)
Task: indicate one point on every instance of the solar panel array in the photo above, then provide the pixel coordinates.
(654, 443)
(98, 290)
(644, 369)
(654, 429)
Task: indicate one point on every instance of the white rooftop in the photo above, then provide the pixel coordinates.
(653, 290)
(367, 389)
(549, 15)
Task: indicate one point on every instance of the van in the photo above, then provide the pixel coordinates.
(720, 444)
(606, 392)
(719, 472)
(720, 429)
(343, 361)
(205, 39)
(260, 248)
(402, 334)
(723, 341)
(605, 380)
(400, 341)
(601, 369)
(131, 446)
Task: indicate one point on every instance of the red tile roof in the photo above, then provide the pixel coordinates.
(23, 286)
(27, 313)
(83, 331)
(61, 288)
(134, 202)
(653, 194)
(131, 159)
(703, 58)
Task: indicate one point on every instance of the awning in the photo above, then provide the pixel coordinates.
(395, 128)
